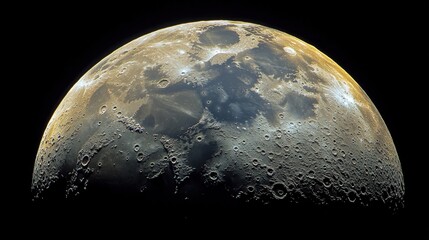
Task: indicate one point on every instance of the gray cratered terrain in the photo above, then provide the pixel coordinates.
(219, 107)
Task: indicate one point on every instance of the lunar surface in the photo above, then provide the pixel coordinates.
(219, 110)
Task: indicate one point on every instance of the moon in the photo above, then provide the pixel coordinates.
(219, 110)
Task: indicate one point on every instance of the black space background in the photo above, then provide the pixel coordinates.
(384, 47)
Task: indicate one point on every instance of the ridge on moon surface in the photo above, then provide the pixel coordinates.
(219, 110)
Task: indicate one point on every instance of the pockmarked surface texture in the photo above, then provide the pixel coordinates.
(219, 107)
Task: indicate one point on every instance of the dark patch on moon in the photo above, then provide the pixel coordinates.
(229, 99)
(310, 89)
(299, 105)
(149, 121)
(311, 75)
(99, 98)
(271, 60)
(163, 113)
(201, 153)
(135, 92)
(155, 73)
(219, 36)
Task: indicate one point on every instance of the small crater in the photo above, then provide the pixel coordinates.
(267, 137)
(270, 172)
(136, 148)
(140, 157)
(351, 196)
(255, 162)
(103, 109)
(123, 70)
(163, 83)
(85, 160)
(297, 149)
(213, 175)
(327, 182)
(250, 189)
(279, 190)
